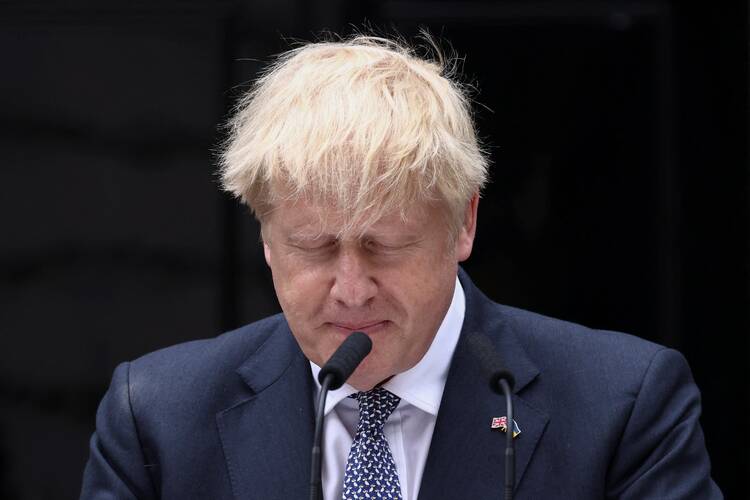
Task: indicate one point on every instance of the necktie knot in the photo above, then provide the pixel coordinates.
(375, 406)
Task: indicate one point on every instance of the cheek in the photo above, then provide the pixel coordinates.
(300, 289)
(430, 298)
(429, 281)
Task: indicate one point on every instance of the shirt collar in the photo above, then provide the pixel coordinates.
(422, 385)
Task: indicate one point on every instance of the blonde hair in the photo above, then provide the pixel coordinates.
(363, 125)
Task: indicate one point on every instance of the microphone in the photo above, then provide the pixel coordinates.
(345, 360)
(334, 373)
(501, 382)
(490, 362)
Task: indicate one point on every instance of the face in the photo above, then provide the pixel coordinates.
(395, 282)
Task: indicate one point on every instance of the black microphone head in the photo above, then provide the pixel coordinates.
(346, 359)
(489, 361)
(499, 375)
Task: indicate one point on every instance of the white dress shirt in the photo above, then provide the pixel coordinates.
(410, 426)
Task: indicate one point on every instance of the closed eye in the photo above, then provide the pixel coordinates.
(314, 245)
(383, 247)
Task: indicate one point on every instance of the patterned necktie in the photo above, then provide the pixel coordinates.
(370, 469)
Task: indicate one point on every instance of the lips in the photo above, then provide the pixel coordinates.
(363, 326)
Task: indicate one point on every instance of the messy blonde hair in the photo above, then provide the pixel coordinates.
(363, 125)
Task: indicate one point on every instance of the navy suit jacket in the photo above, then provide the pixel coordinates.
(602, 415)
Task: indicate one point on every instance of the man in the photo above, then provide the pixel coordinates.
(361, 162)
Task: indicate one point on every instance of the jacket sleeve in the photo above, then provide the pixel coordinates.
(116, 467)
(662, 454)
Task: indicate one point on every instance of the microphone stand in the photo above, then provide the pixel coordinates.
(510, 450)
(316, 492)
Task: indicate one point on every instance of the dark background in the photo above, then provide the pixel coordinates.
(619, 194)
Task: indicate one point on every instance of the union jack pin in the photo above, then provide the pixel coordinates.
(502, 424)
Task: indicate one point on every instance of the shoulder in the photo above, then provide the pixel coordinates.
(191, 373)
(569, 360)
(226, 350)
(563, 353)
(247, 337)
(604, 375)
(160, 409)
(553, 342)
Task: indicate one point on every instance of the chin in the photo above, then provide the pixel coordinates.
(366, 381)
(367, 376)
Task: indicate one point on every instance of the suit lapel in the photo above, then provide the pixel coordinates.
(267, 436)
(466, 456)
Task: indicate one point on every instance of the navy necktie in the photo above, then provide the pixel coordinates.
(370, 469)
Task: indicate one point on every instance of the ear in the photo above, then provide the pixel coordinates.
(267, 253)
(465, 239)
(266, 248)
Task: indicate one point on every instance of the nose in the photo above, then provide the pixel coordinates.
(353, 283)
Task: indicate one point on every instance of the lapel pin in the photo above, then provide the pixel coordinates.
(502, 424)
